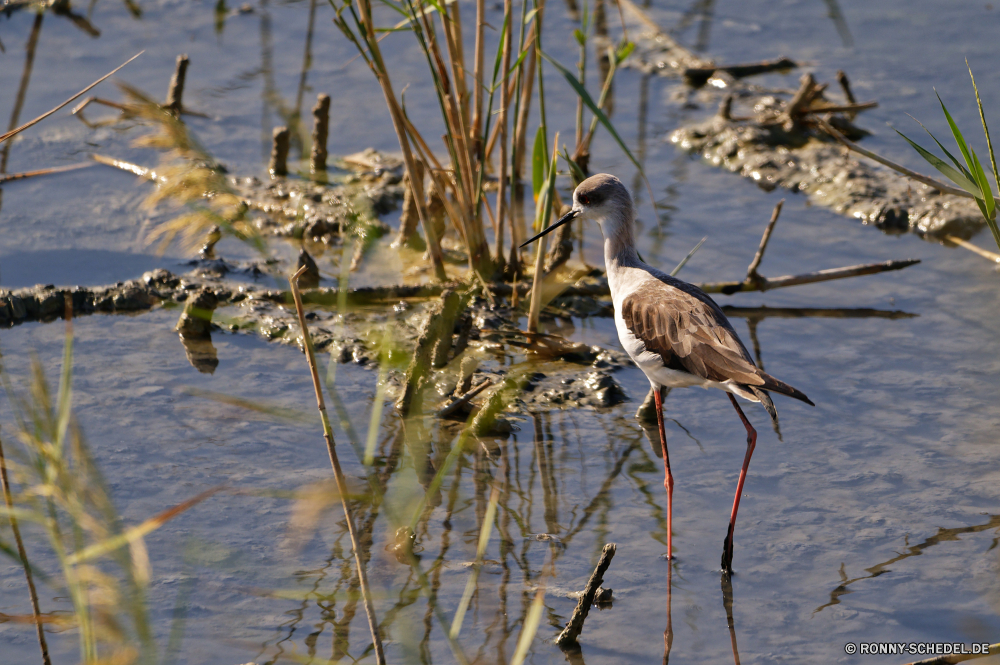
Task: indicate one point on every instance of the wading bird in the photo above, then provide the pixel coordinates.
(672, 330)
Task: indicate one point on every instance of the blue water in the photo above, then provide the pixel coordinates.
(900, 445)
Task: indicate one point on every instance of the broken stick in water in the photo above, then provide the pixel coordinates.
(175, 95)
(321, 131)
(568, 637)
(279, 152)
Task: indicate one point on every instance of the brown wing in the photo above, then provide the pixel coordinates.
(688, 333)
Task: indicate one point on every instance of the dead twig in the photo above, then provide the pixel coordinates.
(845, 86)
(93, 99)
(338, 474)
(850, 109)
(13, 132)
(568, 637)
(464, 399)
(764, 312)
(141, 171)
(805, 94)
(965, 244)
(698, 76)
(175, 94)
(752, 274)
(767, 283)
(7, 177)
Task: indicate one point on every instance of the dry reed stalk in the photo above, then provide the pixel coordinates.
(377, 65)
(451, 107)
(459, 120)
(491, 142)
(477, 75)
(49, 171)
(338, 474)
(22, 88)
(504, 102)
(521, 128)
(18, 130)
(32, 593)
(455, 18)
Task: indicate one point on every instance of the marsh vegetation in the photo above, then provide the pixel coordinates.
(171, 498)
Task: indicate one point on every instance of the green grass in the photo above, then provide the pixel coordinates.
(969, 173)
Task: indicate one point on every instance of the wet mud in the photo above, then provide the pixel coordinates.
(567, 375)
(769, 137)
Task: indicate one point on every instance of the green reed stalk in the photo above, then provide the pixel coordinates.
(485, 532)
(542, 215)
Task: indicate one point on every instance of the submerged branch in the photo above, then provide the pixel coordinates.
(568, 637)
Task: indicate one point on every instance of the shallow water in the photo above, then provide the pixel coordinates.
(873, 519)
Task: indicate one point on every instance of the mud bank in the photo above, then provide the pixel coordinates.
(383, 326)
(770, 137)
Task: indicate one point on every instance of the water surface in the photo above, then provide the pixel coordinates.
(873, 518)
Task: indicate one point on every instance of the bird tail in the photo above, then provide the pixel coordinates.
(765, 401)
(778, 386)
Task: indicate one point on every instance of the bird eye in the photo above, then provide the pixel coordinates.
(584, 199)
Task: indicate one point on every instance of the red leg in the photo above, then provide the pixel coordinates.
(668, 478)
(727, 545)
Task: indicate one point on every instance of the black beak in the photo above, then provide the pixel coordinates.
(565, 219)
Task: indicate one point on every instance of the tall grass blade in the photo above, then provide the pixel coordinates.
(538, 160)
(989, 143)
(673, 273)
(380, 389)
(529, 628)
(136, 533)
(958, 165)
(956, 176)
(959, 139)
(485, 532)
(986, 130)
(18, 130)
(64, 406)
(543, 212)
(984, 186)
(602, 118)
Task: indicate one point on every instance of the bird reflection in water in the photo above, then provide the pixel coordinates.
(727, 603)
(200, 353)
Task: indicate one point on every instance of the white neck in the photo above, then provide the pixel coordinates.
(620, 255)
(619, 247)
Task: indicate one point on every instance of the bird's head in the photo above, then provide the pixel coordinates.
(601, 198)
